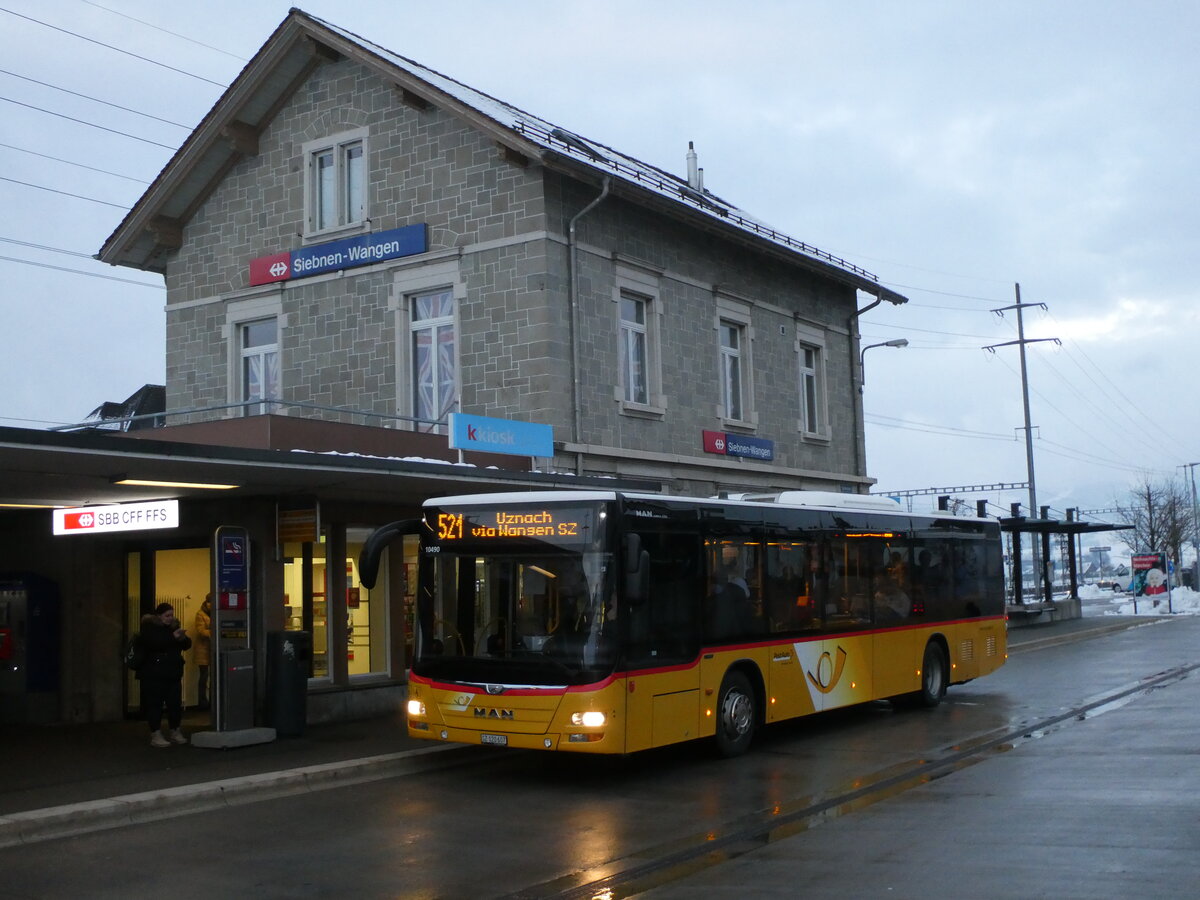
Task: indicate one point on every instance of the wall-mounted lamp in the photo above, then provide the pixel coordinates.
(862, 368)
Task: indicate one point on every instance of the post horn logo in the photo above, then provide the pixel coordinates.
(829, 671)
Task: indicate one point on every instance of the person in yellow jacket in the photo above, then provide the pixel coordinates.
(202, 650)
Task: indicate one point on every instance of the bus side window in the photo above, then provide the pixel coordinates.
(734, 599)
(893, 591)
(663, 627)
(790, 598)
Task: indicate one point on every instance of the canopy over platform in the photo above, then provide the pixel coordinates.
(1019, 525)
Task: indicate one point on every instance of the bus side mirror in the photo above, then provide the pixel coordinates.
(637, 570)
(368, 560)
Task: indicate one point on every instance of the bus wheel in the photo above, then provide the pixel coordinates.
(934, 676)
(736, 715)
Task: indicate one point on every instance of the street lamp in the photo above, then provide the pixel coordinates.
(1191, 467)
(862, 362)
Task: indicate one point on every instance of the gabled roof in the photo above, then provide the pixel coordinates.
(231, 129)
(139, 410)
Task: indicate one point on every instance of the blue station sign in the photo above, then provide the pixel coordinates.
(738, 445)
(360, 250)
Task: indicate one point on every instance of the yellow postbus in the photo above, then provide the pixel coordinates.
(608, 622)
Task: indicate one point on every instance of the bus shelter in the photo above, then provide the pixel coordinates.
(1045, 527)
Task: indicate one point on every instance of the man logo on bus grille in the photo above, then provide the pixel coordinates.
(481, 713)
(829, 672)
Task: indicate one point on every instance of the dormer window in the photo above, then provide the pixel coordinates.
(336, 183)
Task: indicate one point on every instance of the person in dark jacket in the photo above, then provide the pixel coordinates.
(161, 675)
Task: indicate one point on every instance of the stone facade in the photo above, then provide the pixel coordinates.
(497, 235)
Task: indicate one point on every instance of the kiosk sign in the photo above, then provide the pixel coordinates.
(469, 432)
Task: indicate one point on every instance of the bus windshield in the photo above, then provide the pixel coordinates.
(517, 596)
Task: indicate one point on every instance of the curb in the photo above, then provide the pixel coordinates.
(31, 827)
(1084, 634)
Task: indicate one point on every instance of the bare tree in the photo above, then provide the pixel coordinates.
(1161, 515)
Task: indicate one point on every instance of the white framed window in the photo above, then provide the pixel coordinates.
(335, 192)
(735, 376)
(259, 342)
(434, 357)
(635, 373)
(732, 339)
(426, 299)
(639, 368)
(810, 354)
(253, 329)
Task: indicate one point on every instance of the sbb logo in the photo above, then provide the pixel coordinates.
(80, 520)
(719, 443)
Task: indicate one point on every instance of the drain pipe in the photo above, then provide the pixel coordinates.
(573, 319)
(860, 426)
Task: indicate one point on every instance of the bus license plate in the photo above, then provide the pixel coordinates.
(500, 740)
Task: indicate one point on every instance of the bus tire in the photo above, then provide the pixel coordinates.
(935, 676)
(737, 715)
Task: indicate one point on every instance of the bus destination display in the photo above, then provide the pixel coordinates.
(559, 525)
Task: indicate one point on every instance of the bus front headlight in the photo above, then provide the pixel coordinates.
(416, 707)
(590, 719)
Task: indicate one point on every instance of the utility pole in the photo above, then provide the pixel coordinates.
(1039, 564)
(1191, 467)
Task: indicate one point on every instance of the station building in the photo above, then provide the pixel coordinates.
(356, 247)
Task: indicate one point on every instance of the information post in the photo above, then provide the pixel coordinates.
(234, 694)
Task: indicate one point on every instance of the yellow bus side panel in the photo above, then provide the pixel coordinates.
(898, 656)
(656, 708)
(661, 707)
(837, 671)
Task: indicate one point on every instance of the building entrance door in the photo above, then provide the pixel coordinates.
(180, 577)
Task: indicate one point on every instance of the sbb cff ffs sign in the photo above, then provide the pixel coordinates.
(119, 517)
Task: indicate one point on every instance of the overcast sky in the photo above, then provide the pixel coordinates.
(954, 149)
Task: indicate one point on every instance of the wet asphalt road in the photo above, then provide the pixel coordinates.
(1069, 773)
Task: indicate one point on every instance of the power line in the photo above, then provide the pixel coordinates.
(90, 124)
(1077, 426)
(29, 262)
(951, 308)
(1093, 460)
(111, 47)
(35, 421)
(94, 99)
(1102, 416)
(182, 37)
(41, 187)
(1129, 403)
(912, 287)
(1046, 400)
(1114, 463)
(44, 247)
(930, 428)
(982, 337)
(70, 163)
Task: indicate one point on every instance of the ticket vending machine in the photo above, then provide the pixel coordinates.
(234, 693)
(29, 649)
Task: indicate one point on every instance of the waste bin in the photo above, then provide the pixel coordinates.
(289, 658)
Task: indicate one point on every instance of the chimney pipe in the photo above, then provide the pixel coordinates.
(693, 172)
